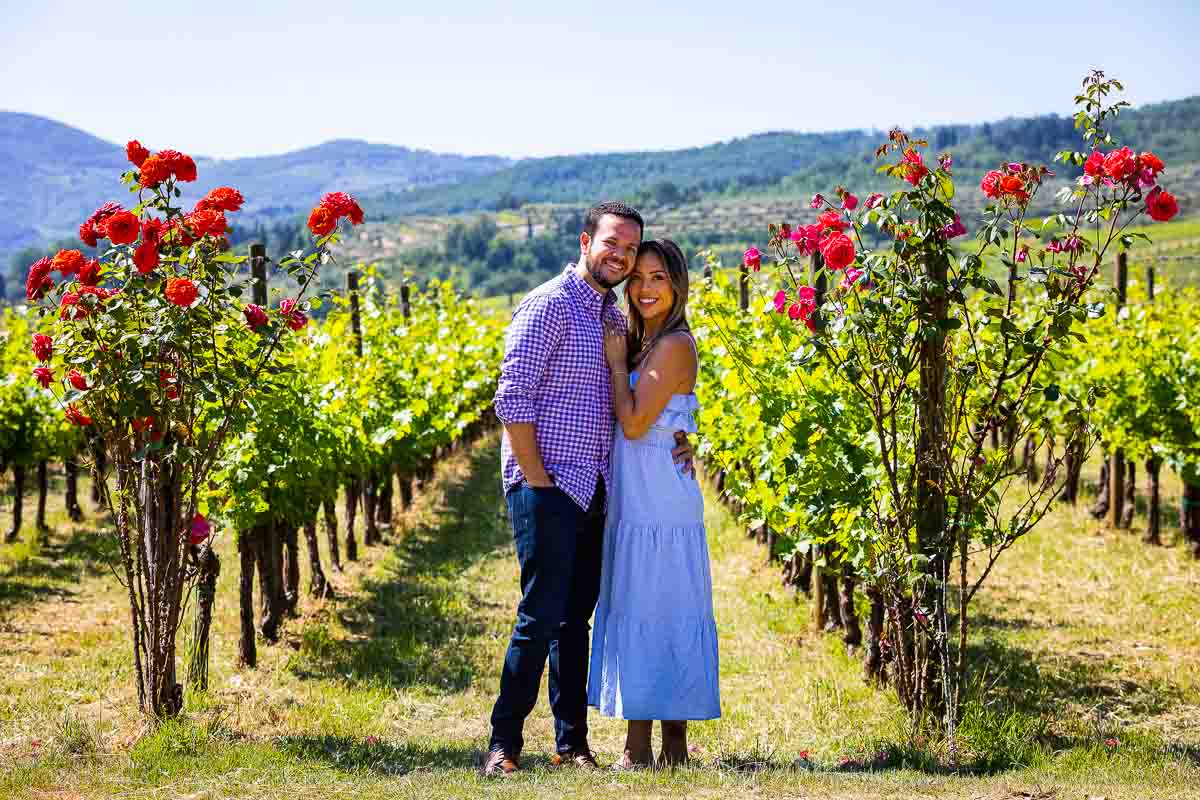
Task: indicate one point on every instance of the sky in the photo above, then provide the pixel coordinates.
(523, 79)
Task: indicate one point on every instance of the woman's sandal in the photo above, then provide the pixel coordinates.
(626, 764)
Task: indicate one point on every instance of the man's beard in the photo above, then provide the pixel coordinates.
(597, 273)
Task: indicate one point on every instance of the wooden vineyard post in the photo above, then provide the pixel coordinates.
(258, 270)
(1116, 467)
(743, 287)
(1153, 463)
(818, 590)
(354, 488)
(819, 579)
(355, 318)
(248, 546)
(395, 474)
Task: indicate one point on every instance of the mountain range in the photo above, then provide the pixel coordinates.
(53, 175)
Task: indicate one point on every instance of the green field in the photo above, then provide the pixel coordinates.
(1085, 636)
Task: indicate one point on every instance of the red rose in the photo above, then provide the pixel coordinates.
(152, 230)
(181, 292)
(39, 281)
(1012, 184)
(68, 262)
(88, 234)
(184, 169)
(832, 221)
(1151, 162)
(223, 198)
(1120, 164)
(44, 376)
(849, 202)
(77, 417)
(322, 221)
(122, 228)
(70, 301)
(102, 213)
(837, 250)
(206, 222)
(914, 166)
(1094, 166)
(1161, 205)
(256, 317)
(145, 257)
(89, 273)
(136, 154)
(77, 380)
(43, 347)
(991, 184)
(343, 205)
(180, 165)
(154, 170)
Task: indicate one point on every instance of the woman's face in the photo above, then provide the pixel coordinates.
(650, 290)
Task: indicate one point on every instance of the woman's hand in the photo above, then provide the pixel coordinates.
(615, 348)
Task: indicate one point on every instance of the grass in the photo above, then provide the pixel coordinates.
(1084, 635)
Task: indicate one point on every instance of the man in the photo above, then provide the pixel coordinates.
(555, 401)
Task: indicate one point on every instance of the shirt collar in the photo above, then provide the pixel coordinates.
(590, 300)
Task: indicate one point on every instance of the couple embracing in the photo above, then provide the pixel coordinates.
(605, 509)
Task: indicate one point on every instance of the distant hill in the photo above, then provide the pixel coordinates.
(53, 175)
(769, 162)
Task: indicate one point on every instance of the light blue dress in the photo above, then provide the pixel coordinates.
(654, 644)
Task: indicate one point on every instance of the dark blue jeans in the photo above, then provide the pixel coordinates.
(559, 547)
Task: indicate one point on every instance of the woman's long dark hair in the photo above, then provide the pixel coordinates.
(677, 272)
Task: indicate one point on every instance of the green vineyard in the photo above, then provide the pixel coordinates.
(256, 542)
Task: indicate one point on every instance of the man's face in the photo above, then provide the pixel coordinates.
(611, 253)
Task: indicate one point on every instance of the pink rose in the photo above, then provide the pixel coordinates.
(752, 258)
(200, 529)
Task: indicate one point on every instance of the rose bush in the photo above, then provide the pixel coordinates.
(154, 330)
(935, 352)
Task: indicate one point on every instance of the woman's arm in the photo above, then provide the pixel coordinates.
(670, 368)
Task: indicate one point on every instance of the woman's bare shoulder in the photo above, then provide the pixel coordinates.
(676, 353)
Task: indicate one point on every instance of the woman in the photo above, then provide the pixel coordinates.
(654, 646)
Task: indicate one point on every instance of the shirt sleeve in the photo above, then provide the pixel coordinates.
(537, 329)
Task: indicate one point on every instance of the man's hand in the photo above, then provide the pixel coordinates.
(543, 481)
(683, 453)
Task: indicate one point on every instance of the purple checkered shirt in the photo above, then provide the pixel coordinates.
(555, 375)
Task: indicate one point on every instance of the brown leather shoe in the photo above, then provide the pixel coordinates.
(500, 764)
(579, 758)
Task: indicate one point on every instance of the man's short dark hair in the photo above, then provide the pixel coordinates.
(617, 209)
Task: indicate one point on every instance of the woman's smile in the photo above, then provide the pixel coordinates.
(650, 287)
